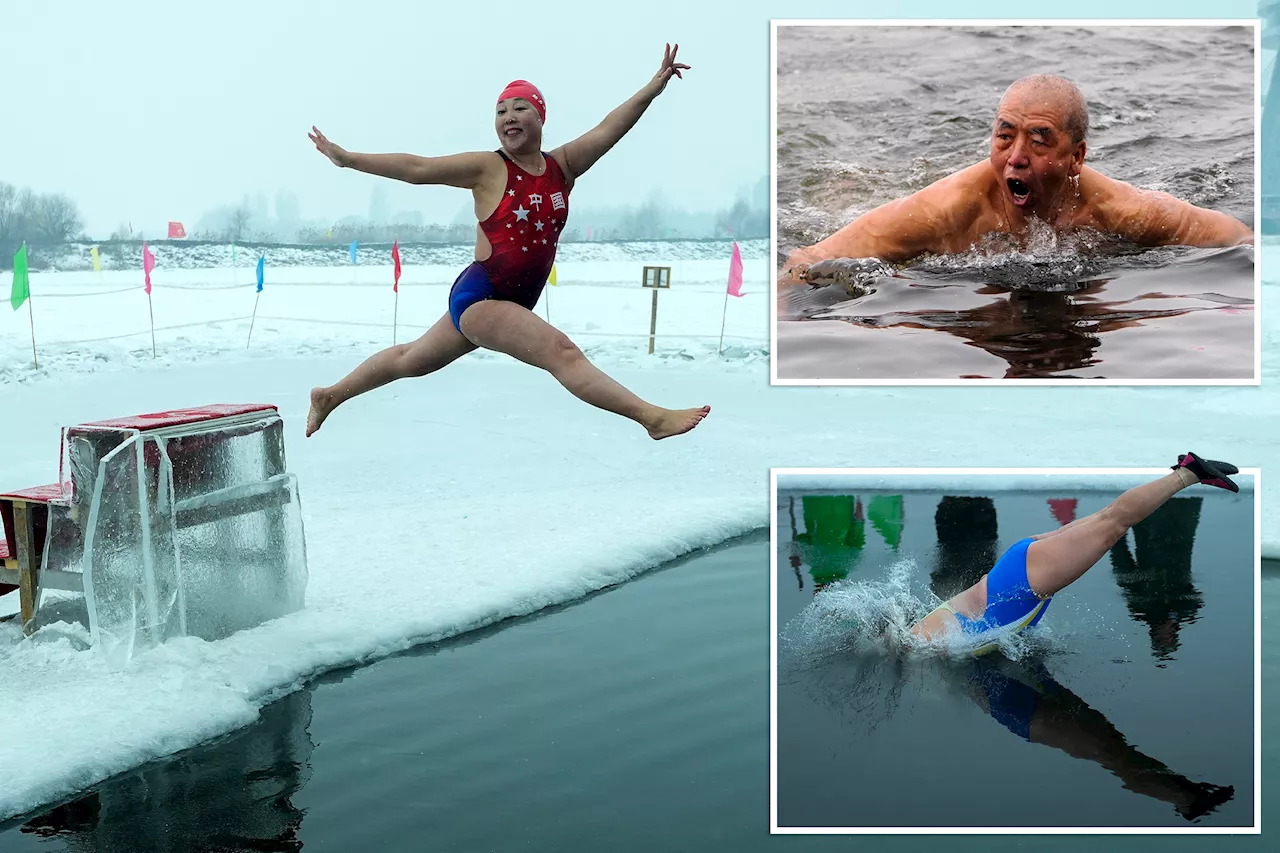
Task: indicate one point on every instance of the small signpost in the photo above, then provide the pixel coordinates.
(657, 278)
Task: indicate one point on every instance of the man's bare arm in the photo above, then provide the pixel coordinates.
(894, 232)
(1159, 219)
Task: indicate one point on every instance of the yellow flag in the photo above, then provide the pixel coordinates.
(330, 233)
(93, 253)
(552, 280)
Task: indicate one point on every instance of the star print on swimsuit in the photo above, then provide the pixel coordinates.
(521, 214)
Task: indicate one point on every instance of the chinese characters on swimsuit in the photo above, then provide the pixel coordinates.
(1061, 212)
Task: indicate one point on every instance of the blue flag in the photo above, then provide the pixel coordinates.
(261, 262)
(353, 251)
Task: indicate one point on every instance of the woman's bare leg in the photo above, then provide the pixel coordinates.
(1060, 559)
(441, 345)
(512, 329)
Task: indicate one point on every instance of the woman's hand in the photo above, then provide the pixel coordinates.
(669, 68)
(335, 153)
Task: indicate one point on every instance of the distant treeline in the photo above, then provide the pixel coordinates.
(39, 220)
(48, 222)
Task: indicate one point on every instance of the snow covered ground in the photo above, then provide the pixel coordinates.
(437, 505)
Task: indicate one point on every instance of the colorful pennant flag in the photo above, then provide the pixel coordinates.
(395, 256)
(352, 250)
(330, 232)
(552, 279)
(262, 261)
(148, 264)
(176, 231)
(21, 279)
(735, 272)
(97, 264)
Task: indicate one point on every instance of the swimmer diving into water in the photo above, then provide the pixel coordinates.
(521, 203)
(1035, 172)
(1015, 593)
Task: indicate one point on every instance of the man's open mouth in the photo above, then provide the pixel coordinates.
(1019, 190)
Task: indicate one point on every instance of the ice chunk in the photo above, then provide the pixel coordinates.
(189, 531)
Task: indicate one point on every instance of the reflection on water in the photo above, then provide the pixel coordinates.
(967, 547)
(1192, 317)
(834, 533)
(1156, 576)
(1024, 698)
(235, 795)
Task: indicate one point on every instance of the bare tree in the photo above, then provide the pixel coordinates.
(238, 224)
(54, 219)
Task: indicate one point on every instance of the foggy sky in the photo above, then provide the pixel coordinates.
(148, 110)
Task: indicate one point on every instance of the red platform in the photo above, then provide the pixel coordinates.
(178, 417)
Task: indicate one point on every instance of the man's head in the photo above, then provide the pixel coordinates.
(1038, 141)
(520, 115)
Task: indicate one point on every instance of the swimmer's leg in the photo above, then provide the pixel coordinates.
(515, 330)
(1058, 559)
(441, 345)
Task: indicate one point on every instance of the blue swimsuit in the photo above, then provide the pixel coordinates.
(1011, 603)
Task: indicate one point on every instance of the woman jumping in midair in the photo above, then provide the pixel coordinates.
(521, 201)
(1016, 592)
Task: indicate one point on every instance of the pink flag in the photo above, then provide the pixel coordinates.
(395, 256)
(735, 272)
(148, 264)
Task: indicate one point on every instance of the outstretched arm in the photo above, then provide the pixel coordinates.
(1159, 219)
(582, 153)
(894, 232)
(459, 170)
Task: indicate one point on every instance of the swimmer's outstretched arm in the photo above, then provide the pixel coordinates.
(464, 171)
(897, 231)
(582, 153)
(1159, 219)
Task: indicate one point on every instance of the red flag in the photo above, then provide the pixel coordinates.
(395, 256)
(1063, 509)
(148, 264)
(176, 230)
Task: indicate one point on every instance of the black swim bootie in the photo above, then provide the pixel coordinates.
(1211, 473)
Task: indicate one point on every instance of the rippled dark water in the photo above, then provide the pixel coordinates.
(870, 114)
(1173, 313)
(1132, 705)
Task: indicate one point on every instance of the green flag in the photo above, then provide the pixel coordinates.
(21, 281)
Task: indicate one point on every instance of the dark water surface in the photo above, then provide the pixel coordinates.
(870, 114)
(636, 720)
(1132, 707)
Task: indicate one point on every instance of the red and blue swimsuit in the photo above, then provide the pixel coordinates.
(523, 233)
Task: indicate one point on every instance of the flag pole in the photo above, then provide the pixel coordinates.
(253, 317)
(152, 313)
(31, 315)
(395, 314)
(724, 315)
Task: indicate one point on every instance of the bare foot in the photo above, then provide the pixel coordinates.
(676, 421)
(321, 405)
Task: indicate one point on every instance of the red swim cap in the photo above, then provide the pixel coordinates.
(528, 91)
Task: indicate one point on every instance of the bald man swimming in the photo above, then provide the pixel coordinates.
(1036, 171)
